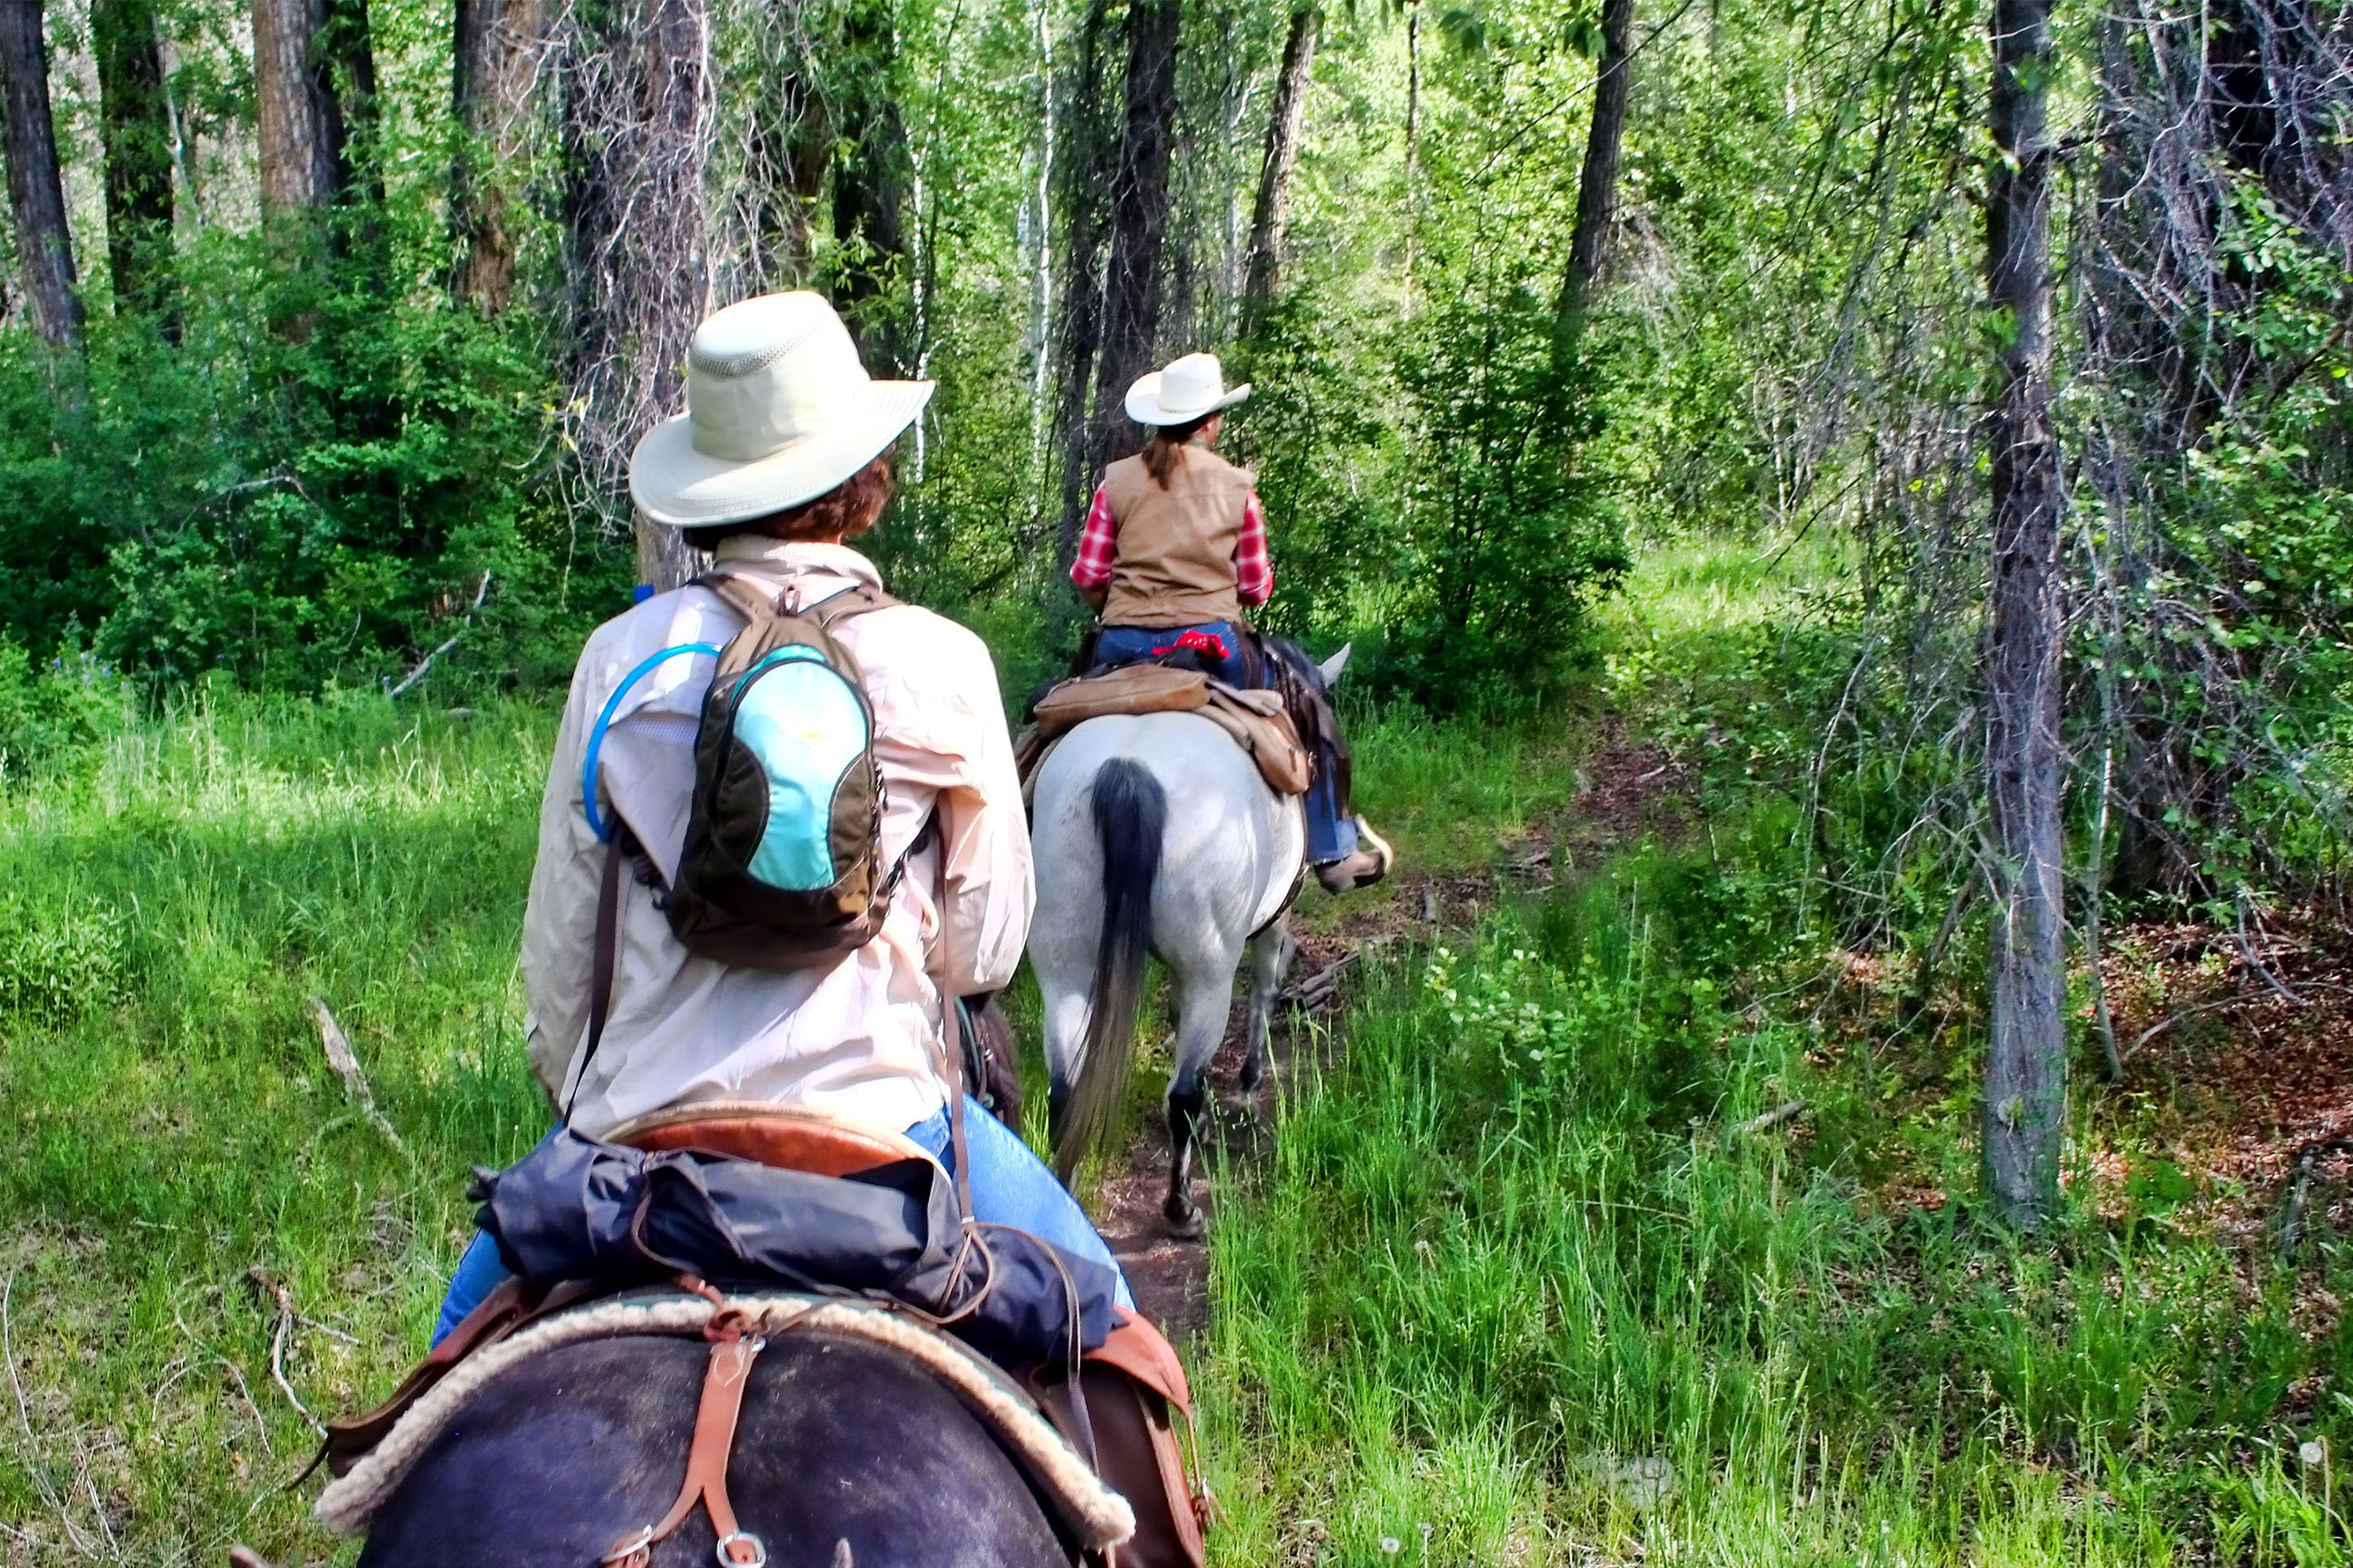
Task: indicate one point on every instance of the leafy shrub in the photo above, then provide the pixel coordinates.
(1512, 543)
(50, 719)
(57, 963)
(291, 507)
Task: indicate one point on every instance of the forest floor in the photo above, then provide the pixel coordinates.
(1525, 1257)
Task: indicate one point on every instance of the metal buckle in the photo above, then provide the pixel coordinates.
(759, 1553)
(633, 1546)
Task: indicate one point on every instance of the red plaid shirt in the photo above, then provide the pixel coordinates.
(1099, 545)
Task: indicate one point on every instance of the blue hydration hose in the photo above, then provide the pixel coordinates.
(597, 822)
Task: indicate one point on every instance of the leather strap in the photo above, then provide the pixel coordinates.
(724, 1378)
(951, 1017)
(606, 959)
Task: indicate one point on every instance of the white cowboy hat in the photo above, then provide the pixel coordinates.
(1192, 388)
(778, 411)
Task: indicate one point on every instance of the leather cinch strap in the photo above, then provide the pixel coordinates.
(723, 1381)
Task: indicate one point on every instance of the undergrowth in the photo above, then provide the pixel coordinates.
(1616, 1229)
(1522, 1280)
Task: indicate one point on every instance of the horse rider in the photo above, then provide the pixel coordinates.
(1175, 546)
(783, 454)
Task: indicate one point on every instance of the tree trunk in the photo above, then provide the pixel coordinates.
(1596, 186)
(1139, 220)
(790, 146)
(495, 78)
(2026, 1064)
(36, 194)
(297, 123)
(136, 131)
(1091, 166)
(637, 126)
(1282, 127)
(870, 187)
(345, 64)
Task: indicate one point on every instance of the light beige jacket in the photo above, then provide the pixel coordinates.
(855, 1039)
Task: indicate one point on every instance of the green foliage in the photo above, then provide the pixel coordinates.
(293, 504)
(60, 961)
(1515, 1231)
(51, 719)
(1511, 543)
(1327, 466)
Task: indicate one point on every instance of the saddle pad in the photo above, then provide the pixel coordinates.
(1097, 1515)
(1257, 721)
(1130, 688)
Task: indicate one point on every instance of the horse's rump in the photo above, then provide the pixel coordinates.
(856, 1426)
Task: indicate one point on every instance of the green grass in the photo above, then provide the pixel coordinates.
(171, 1122)
(1505, 1256)
(1511, 1245)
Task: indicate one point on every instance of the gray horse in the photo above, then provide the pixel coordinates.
(1156, 833)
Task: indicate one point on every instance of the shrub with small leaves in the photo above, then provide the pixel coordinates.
(59, 963)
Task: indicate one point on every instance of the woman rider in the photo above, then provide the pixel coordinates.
(1175, 546)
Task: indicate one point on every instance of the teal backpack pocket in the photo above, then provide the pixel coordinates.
(801, 730)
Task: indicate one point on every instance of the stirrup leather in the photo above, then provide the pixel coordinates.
(724, 1379)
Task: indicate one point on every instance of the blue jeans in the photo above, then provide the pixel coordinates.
(1331, 834)
(1011, 1186)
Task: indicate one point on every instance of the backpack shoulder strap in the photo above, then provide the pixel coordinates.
(854, 600)
(746, 599)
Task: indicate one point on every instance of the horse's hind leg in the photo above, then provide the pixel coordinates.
(1269, 955)
(1204, 1003)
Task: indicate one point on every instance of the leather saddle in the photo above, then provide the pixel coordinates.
(1134, 1383)
(789, 1137)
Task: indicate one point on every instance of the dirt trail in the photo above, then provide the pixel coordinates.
(1624, 793)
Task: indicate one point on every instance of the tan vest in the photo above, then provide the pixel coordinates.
(1174, 566)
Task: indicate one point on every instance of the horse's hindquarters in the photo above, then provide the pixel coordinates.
(1234, 847)
(840, 1440)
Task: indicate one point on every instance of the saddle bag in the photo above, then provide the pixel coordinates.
(578, 1208)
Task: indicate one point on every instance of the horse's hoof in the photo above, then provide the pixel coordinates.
(1185, 1219)
(1253, 1074)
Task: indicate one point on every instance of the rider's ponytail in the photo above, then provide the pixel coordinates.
(1167, 441)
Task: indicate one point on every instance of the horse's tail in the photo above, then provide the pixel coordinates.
(1131, 813)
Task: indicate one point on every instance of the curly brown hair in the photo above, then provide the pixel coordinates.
(845, 511)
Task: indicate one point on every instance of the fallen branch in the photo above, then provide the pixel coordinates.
(341, 1057)
(2178, 1013)
(286, 1316)
(1319, 988)
(417, 673)
(2247, 950)
(1788, 1110)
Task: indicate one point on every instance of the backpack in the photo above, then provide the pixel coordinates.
(782, 864)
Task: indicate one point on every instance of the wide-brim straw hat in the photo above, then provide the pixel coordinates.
(779, 411)
(1192, 388)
